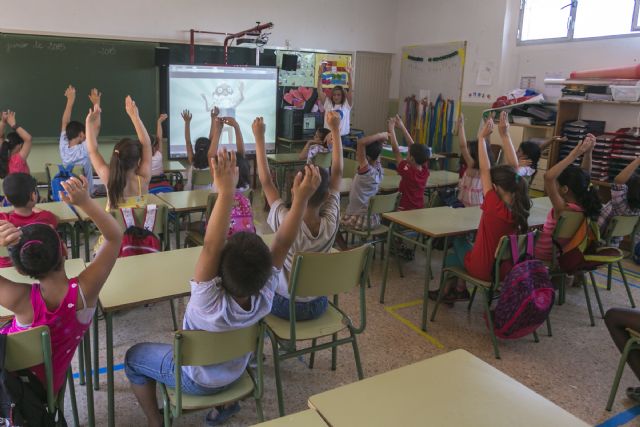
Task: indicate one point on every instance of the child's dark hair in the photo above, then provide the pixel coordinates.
(200, 160)
(126, 156)
(419, 153)
(633, 191)
(154, 143)
(322, 133)
(320, 194)
(532, 151)
(245, 264)
(507, 178)
(73, 129)
(12, 141)
(473, 152)
(244, 171)
(373, 150)
(39, 251)
(586, 194)
(18, 188)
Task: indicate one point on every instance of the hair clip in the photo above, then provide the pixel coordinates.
(28, 243)
(517, 177)
(116, 151)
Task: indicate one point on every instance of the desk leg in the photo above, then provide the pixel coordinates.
(427, 279)
(96, 362)
(86, 343)
(386, 262)
(85, 229)
(111, 415)
(176, 223)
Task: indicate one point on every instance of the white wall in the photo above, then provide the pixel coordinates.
(319, 24)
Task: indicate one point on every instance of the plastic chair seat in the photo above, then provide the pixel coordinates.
(242, 387)
(331, 322)
(462, 273)
(379, 230)
(605, 255)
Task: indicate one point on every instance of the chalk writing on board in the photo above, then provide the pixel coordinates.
(56, 46)
(107, 51)
(16, 45)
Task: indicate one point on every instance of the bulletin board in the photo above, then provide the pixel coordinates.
(305, 75)
(431, 78)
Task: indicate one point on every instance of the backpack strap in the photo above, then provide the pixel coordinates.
(150, 217)
(3, 350)
(515, 251)
(128, 217)
(530, 244)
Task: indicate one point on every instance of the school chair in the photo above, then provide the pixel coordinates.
(320, 274)
(633, 344)
(196, 237)
(378, 204)
(620, 226)
(322, 160)
(567, 227)
(32, 347)
(201, 177)
(51, 170)
(202, 348)
(490, 289)
(349, 168)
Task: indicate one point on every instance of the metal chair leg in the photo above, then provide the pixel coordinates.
(276, 368)
(472, 297)
(586, 296)
(626, 284)
(609, 273)
(356, 355)
(616, 379)
(445, 277)
(313, 354)
(72, 398)
(595, 290)
(334, 353)
(494, 340)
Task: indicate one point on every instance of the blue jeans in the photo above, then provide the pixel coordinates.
(154, 361)
(304, 310)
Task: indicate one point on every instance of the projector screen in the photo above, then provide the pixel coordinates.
(240, 92)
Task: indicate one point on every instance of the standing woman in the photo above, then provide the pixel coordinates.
(341, 101)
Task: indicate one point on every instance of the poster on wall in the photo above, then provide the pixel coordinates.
(334, 69)
(431, 90)
(304, 76)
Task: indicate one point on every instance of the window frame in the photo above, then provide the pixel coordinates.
(635, 26)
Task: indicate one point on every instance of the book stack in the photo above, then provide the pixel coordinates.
(575, 132)
(625, 146)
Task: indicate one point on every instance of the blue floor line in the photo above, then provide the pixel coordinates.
(104, 370)
(621, 418)
(615, 279)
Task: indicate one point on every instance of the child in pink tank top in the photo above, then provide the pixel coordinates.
(65, 305)
(15, 147)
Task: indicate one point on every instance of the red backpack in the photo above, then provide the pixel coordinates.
(139, 240)
(526, 297)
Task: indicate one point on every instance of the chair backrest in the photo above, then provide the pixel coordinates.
(349, 168)
(383, 203)
(621, 226)
(435, 201)
(322, 160)
(161, 226)
(503, 251)
(326, 274)
(568, 224)
(201, 177)
(31, 348)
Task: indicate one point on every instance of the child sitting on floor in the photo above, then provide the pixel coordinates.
(21, 190)
(317, 232)
(233, 287)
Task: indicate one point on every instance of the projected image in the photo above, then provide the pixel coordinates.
(242, 93)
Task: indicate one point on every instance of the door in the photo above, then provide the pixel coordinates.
(371, 91)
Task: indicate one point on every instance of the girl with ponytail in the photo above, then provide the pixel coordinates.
(128, 173)
(505, 211)
(198, 157)
(569, 188)
(15, 147)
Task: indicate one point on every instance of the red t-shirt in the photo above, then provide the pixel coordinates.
(496, 221)
(36, 217)
(412, 185)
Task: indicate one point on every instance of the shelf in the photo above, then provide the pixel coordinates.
(596, 101)
(523, 125)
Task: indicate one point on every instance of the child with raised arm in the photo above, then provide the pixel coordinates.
(318, 230)
(232, 287)
(15, 147)
(341, 100)
(73, 150)
(129, 171)
(366, 182)
(159, 182)
(526, 158)
(321, 143)
(66, 305)
(414, 171)
(198, 159)
(470, 186)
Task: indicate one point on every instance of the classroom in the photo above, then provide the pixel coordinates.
(361, 213)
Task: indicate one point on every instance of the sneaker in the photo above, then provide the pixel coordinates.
(433, 296)
(221, 414)
(457, 295)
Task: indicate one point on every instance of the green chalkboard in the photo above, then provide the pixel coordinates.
(35, 70)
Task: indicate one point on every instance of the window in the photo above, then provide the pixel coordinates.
(565, 20)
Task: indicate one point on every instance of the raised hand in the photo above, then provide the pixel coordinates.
(93, 118)
(162, 118)
(333, 120)
(503, 124)
(399, 122)
(460, 123)
(486, 130)
(77, 191)
(186, 116)
(131, 107)
(9, 234)
(11, 118)
(215, 112)
(304, 187)
(94, 96)
(225, 171)
(229, 121)
(4, 116)
(258, 128)
(391, 124)
(70, 93)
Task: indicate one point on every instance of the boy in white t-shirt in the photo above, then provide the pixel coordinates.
(340, 101)
(73, 150)
(318, 230)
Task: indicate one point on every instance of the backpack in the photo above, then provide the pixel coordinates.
(527, 295)
(64, 173)
(241, 215)
(139, 240)
(23, 399)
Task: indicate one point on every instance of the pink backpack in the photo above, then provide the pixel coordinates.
(527, 295)
(139, 240)
(241, 215)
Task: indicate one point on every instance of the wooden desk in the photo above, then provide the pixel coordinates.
(184, 202)
(433, 223)
(345, 186)
(290, 143)
(308, 418)
(439, 179)
(389, 183)
(173, 166)
(542, 203)
(139, 280)
(453, 389)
